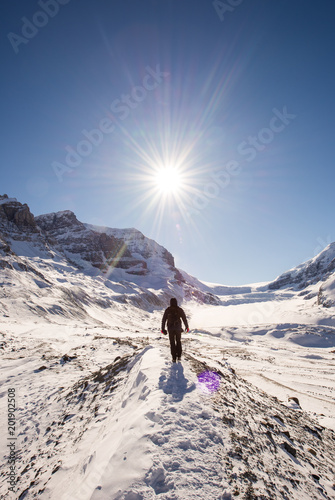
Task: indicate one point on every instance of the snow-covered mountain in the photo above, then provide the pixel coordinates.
(126, 258)
(314, 278)
(319, 268)
(55, 254)
(126, 251)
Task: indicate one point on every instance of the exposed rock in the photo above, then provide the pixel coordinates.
(104, 248)
(99, 249)
(58, 221)
(289, 449)
(13, 211)
(5, 265)
(4, 247)
(326, 295)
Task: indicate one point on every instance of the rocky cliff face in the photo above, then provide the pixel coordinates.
(48, 250)
(104, 248)
(18, 229)
(326, 295)
(11, 211)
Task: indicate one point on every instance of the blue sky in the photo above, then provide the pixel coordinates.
(237, 95)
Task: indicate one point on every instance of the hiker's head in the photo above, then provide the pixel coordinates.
(173, 302)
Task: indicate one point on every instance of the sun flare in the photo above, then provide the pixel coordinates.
(168, 180)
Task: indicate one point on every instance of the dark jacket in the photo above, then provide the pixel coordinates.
(173, 316)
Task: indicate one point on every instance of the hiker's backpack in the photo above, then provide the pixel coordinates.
(173, 319)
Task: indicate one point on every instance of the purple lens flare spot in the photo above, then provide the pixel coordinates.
(208, 382)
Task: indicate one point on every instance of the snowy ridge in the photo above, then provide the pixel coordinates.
(314, 270)
(118, 255)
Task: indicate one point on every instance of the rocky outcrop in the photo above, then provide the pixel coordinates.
(124, 254)
(59, 222)
(103, 248)
(4, 247)
(99, 249)
(14, 212)
(326, 295)
(138, 244)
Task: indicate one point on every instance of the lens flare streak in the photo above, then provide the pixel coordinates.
(208, 382)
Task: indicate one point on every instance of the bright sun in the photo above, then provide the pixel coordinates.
(168, 180)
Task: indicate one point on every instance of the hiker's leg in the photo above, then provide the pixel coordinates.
(178, 344)
(172, 344)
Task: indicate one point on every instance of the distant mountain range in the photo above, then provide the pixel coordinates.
(320, 270)
(77, 266)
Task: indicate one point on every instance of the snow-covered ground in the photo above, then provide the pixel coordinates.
(104, 414)
(282, 344)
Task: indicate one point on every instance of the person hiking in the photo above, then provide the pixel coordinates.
(173, 316)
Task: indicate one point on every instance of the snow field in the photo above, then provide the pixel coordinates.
(106, 416)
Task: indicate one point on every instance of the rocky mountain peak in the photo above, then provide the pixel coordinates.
(59, 220)
(319, 268)
(12, 211)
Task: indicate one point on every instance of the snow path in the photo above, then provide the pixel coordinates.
(164, 440)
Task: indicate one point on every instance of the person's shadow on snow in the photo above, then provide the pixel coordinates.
(176, 384)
